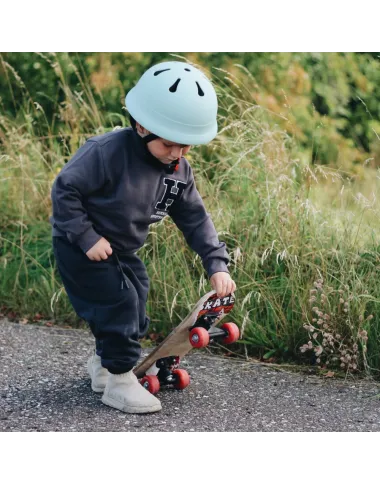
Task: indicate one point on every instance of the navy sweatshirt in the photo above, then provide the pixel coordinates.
(114, 188)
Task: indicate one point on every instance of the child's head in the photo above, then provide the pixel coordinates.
(173, 106)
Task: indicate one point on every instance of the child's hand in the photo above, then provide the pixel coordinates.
(223, 284)
(101, 250)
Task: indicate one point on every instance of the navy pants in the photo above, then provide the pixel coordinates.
(111, 296)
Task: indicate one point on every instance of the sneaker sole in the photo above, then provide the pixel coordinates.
(130, 409)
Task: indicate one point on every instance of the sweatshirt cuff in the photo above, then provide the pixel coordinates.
(88, 239)
(216, 266)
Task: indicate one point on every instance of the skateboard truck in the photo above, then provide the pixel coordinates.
(166, 366)
(168, 375)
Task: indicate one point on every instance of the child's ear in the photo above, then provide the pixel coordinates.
(141, 130)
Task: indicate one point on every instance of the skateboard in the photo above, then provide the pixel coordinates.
(161, 367)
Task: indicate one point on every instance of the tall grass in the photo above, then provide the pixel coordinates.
(303, 240)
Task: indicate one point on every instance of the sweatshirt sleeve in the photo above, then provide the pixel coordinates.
(190, 216)
(83, 175)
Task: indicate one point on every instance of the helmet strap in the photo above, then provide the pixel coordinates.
(146, 139)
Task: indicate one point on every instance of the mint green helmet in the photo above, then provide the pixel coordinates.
(175, 101)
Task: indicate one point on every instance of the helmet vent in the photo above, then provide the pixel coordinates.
(186, 69)
(159, 72)
(200, 92)
(173, 88)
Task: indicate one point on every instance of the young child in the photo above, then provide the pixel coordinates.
(104, 200)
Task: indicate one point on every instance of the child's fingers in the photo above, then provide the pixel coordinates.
(230, 287)
(223, 285)
(223, 288)
(218, 287)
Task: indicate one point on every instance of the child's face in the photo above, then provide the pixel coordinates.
(164, 150)
(167, 151)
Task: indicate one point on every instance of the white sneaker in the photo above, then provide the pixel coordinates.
(98, 374)
(124, 392)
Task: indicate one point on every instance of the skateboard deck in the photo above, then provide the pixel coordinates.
(207, 313)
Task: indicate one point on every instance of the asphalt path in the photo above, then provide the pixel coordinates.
(44, 386)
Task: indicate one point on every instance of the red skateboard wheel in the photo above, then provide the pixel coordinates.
(182, 379)
(233, 332)
(151, 384)
(199, 337)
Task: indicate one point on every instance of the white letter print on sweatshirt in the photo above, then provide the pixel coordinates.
(173, 191)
